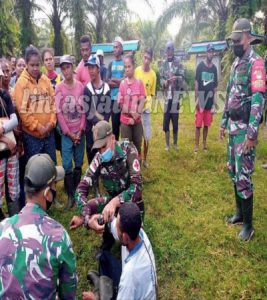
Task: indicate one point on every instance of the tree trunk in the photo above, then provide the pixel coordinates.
(27, 35)
(99, 23)
(56, 22)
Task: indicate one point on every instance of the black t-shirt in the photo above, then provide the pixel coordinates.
(7, 102)
(207, 81)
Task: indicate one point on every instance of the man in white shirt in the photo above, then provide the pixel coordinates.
(138, 279)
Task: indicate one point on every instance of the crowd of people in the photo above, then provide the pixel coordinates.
(42, 112)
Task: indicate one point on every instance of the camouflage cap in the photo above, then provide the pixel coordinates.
(240, 26)
(41, 171)
(101, 131)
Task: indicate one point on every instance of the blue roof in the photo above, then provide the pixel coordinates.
(197, 48)
(133, 45)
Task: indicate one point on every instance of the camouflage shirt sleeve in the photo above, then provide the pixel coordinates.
(225, 115)
(134, 191)
(67, 271)
(86, 183)
(258, 87)
(163, 77)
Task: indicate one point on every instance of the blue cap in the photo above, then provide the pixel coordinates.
(93, 61)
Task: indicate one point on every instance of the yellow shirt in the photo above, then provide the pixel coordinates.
(149, 79)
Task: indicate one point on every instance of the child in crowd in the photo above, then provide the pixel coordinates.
(131, 100)
(72, 121)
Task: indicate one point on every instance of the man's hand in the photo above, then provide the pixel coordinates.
(222, 133)
(76, 222)
(110, 208)
(248, 146)
(88, 296)
(93, 224)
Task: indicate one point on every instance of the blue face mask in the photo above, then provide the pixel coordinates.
(107, 155)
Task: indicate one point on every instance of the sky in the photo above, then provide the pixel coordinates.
(141, 10)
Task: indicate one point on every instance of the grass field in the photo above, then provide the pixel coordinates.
(187, 197)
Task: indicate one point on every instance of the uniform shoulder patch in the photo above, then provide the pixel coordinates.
(136, 165)
(258, 76)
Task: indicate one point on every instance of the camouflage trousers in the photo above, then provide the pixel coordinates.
(240, 165)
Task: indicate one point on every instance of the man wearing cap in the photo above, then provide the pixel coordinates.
(206, 82)
(242, 114)
(72, 121)
(82, 72)
(36, 256)
(114, 78)
(103, 68)
(97, 101)
(172, 76)
(117, 164)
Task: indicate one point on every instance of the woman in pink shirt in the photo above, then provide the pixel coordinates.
(131, 100)
(72, 121)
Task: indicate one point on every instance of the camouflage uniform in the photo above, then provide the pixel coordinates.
(172, 96)
(242, 114)
(121, 177)
(36, 257)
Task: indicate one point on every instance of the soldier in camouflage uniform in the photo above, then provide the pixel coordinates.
(172, 81)
(36, 256)
(242, 114)
(117, 164)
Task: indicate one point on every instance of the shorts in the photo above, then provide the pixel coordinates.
(203, 117)
(146, 122)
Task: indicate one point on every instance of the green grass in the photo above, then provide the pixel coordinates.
(187, 197)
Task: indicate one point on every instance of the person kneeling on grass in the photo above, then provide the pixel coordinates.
(117, 164)
(138, 279)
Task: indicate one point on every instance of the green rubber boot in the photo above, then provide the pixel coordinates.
(247, 231)
(167, 140)
(105, 288)
(93, 277)
(68, 183)
(237, 218)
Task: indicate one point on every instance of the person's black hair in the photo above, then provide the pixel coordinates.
(130, 219)
(31, 51)
(85, 39)
(149, 51)
(130, 57)
(49, 50)
(17, 60)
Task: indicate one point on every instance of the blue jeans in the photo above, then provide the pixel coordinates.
(34, 145)
(70, 151)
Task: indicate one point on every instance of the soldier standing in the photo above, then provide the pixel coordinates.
(242, 114)
(172, 75)
(37, 259)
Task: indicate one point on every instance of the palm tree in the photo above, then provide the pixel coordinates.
(57, 12)
(24, 10)
(105, 17)
(9, 29)
(197, 16)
